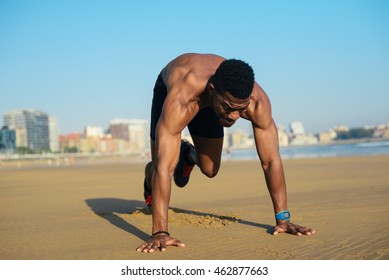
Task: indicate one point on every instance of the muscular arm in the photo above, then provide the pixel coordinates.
(179, 108)
(167, 143)
(266, 141)
(173, 120)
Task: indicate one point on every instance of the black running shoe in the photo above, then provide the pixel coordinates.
(183, 168)
(147, 193)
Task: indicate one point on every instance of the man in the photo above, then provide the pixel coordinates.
(206, 92)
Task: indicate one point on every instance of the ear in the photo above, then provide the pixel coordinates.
(211, 88)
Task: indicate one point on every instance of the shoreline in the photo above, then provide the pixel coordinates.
(61, 160)
(332, 143)
(37, 164)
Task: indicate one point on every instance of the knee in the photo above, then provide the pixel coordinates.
(210, 171)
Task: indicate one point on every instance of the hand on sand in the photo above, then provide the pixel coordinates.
(291, 228)
(161, 242)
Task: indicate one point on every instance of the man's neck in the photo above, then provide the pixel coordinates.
(205, 99)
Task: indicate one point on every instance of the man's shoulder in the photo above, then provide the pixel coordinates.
(198, 55)
(191, 69)
(193, 61)
(260, 107)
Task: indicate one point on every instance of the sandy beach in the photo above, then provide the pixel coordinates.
(96, 212)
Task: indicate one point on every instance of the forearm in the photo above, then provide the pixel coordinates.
(167, 151)
(275, 181)
(160, 200)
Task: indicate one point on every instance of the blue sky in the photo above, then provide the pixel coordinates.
(323, 63)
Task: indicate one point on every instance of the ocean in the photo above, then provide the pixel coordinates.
(317, 151)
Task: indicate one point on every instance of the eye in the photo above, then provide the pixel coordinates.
(225, 107)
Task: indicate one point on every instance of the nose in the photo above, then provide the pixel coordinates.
(233, 116)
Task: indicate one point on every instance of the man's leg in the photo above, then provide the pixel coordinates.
(206, 154)
(209, 151)
(207, 135)
(159, 97)
(148, 176)
(149, 166)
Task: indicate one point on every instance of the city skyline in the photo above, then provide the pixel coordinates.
(29, 131)
(322, 63)
(106, 127)
(32, 131)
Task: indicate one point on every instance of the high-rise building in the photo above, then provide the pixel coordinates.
(138, 132)
(119, 129)
(134, 131)
(7, 140)
(53, 134)
(31, 128)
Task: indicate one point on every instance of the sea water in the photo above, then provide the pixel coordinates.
(317, 151)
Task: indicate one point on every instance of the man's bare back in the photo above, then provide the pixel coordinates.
(186, 78)
(202, 66)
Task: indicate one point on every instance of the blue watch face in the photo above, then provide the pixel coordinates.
(284, 215)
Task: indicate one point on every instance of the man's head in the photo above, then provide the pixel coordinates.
(232, 84)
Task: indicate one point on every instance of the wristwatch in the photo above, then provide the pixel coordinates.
(283, 215)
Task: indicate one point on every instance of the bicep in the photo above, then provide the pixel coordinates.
(265, 129)
(168, 133)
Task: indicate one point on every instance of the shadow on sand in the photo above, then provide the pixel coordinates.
(109, 208)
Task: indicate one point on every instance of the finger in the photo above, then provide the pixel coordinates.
(305, 230)
(309, 231)
(141, 247)
(278, 230)
(292, 230)
(148, 247)
(179, 244)
(153, 248)
(162, 247)
(175, 242)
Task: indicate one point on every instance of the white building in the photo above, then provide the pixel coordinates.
(297, 128)
(283, 137)
(136, 131)
(139, 134)
(304, 139)
(53, 134)
(94, 131)
(226, 143)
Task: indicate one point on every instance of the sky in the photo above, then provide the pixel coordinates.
(323, 63)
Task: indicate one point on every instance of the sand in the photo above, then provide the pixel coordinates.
(96, 212)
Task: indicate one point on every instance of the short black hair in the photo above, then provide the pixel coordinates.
(236, 77)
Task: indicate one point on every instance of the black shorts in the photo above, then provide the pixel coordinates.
(204, 124)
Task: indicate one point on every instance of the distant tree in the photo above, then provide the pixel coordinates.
(23, 150)
(70, 150)
(361, 133)
(42, 151)
(355, 133)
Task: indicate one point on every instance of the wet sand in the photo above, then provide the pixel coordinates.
(96, 212)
